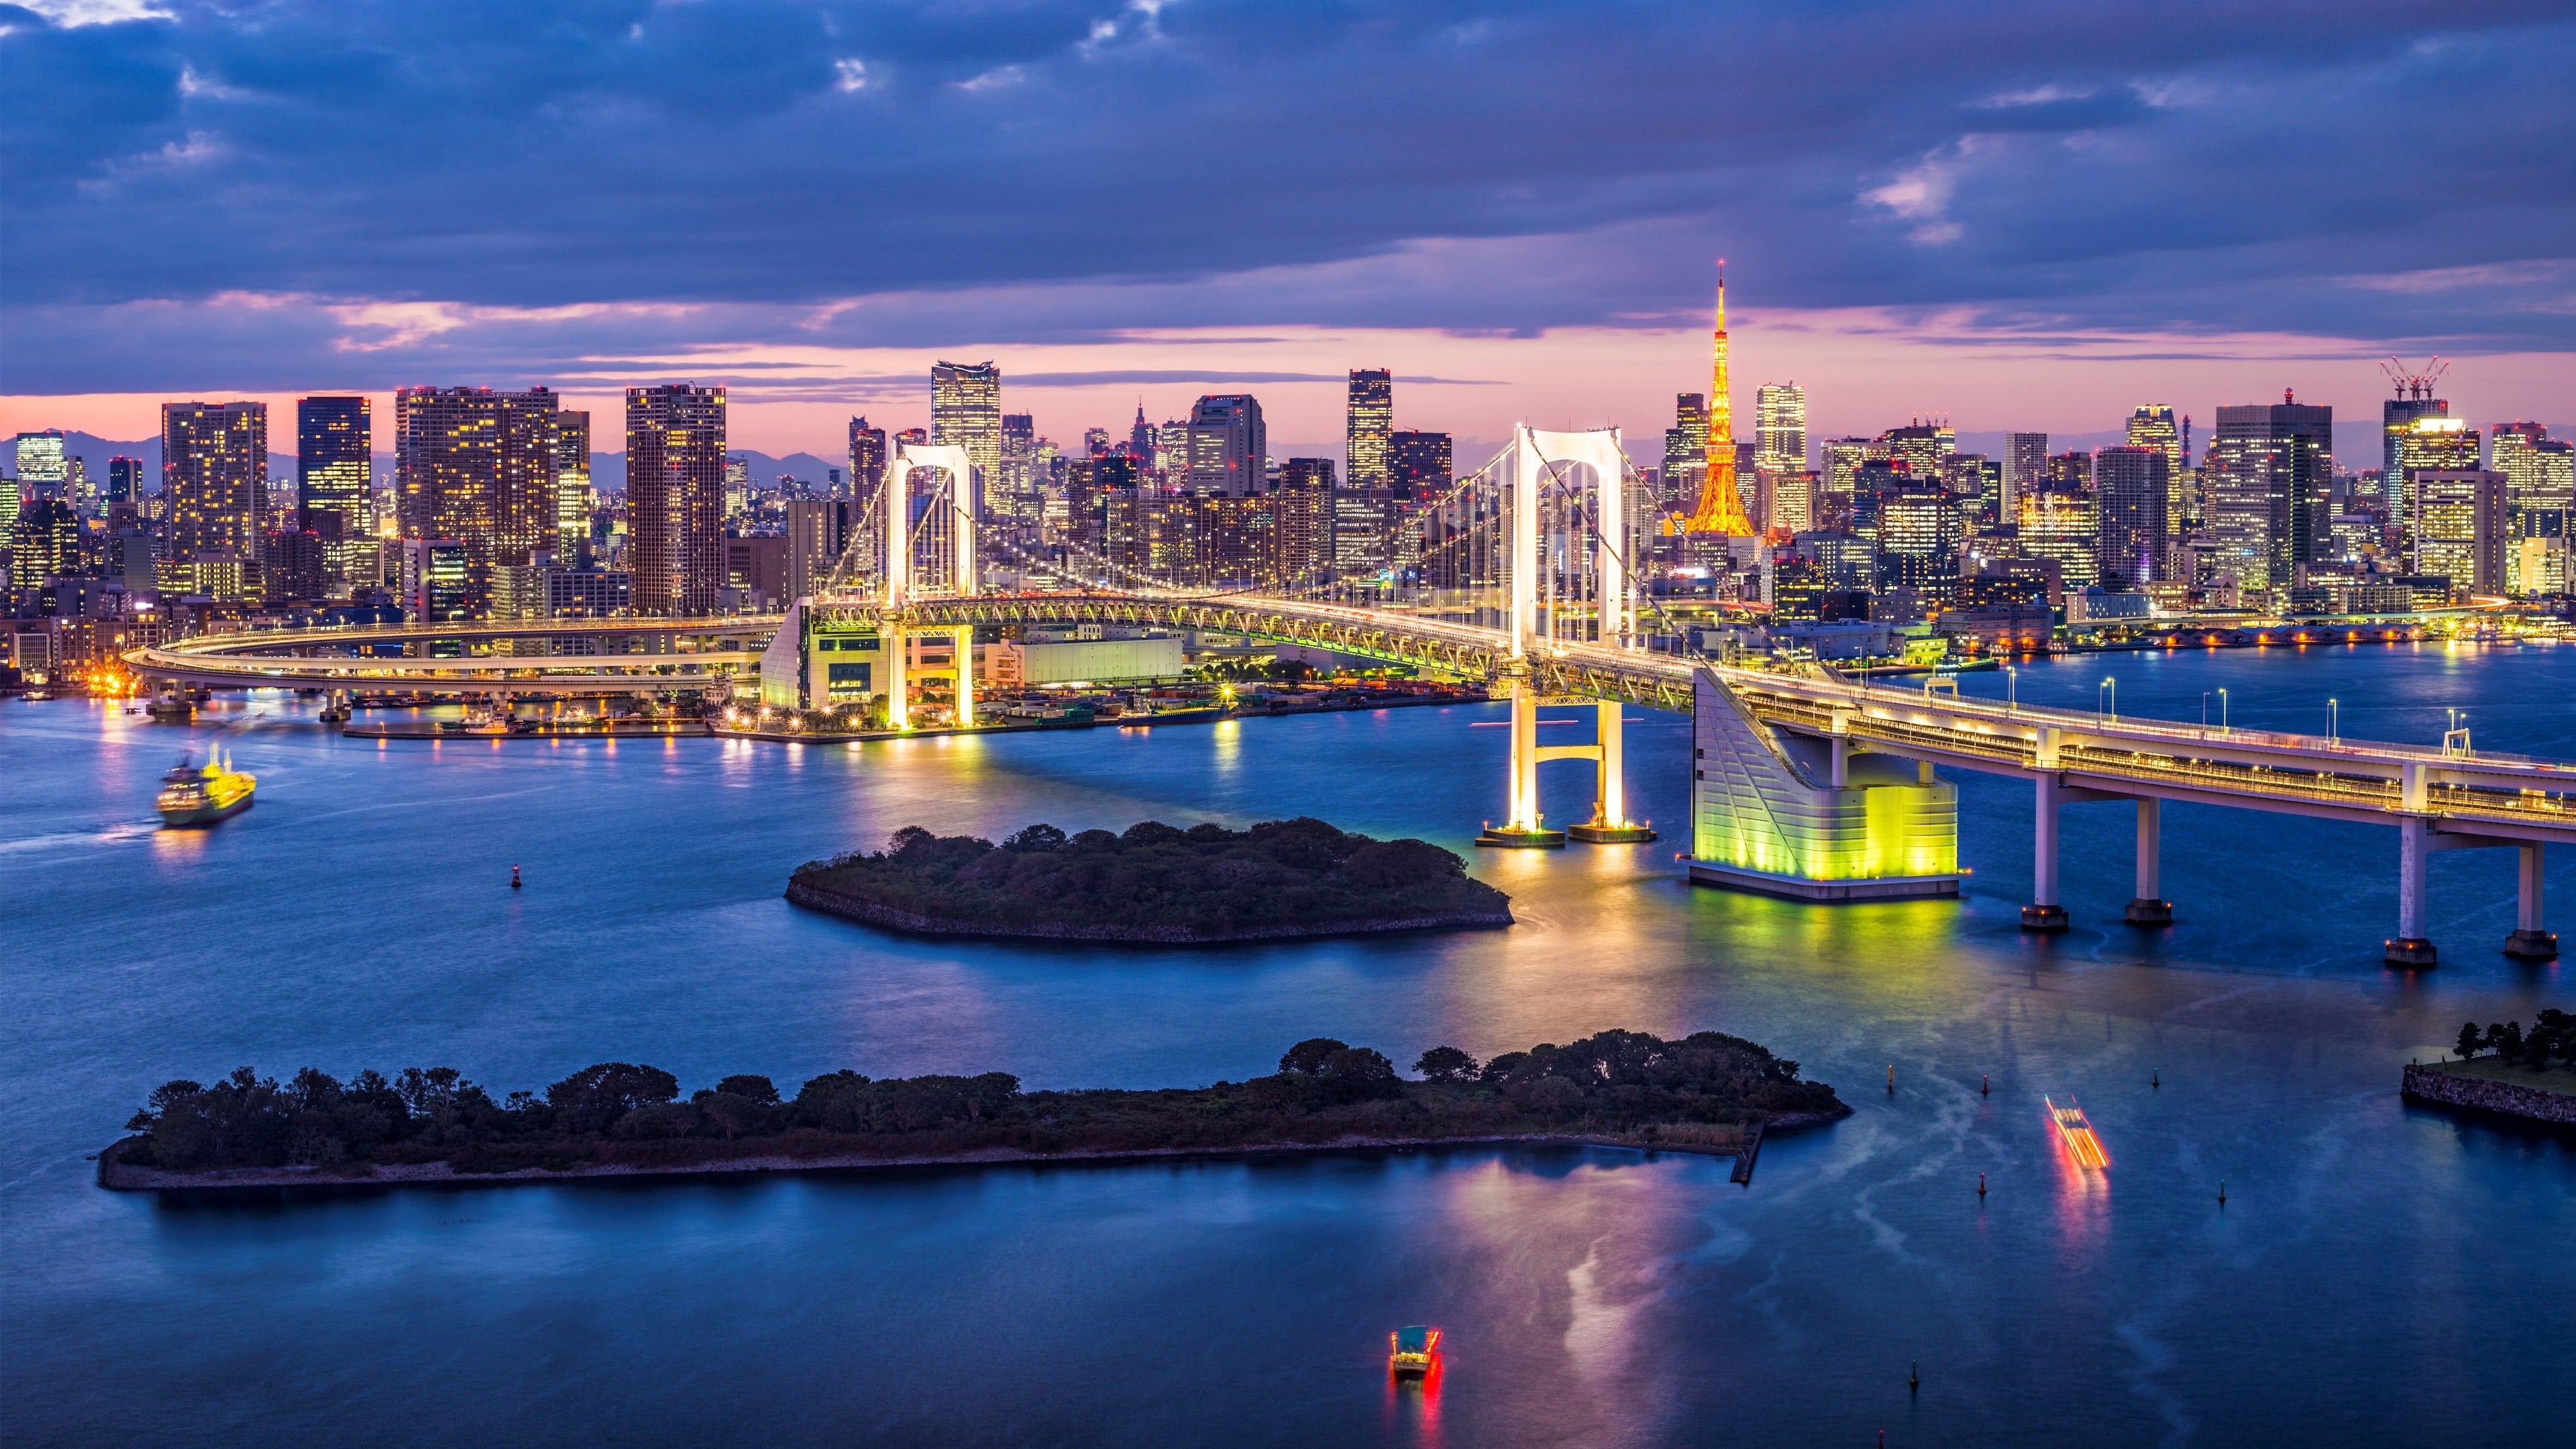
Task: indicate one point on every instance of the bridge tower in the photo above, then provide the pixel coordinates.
(1563, 591)
(929, 548)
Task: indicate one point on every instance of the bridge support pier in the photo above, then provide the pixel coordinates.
(2149, 907)
(2044, 913)
(964, 649)
(1524, 828)
(2410, 946)
(2531, 941)
(898, 659)
(1610, 824)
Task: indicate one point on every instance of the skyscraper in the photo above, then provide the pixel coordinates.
(2132, 489)
(1721, 502)
(335, 477)
(2397, 417)
(1780, 427)
(124, 479)
(966, 412)
(1371, 419)
(1685, 452)
(2434, 440)
(675, 468)
(44, 469)
(214, 465)
(572, 485)
(2273, 462)
(478, 467)
(1419, 465)
(818, 531)
(2538, 487)
(867, 459)
(2152, 425)
(1229, 445)
(2460, 529)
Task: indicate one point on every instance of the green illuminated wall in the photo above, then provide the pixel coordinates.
(1762, 801)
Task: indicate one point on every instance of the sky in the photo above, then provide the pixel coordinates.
(2008, 215)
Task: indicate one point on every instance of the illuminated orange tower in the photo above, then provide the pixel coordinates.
(1721, 506)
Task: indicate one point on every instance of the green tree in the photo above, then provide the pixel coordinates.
(592, 1099)
(2470, 1040)
(1307, 1058)
(747, 1085)
(1446, 1064)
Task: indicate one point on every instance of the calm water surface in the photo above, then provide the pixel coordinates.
(2379, 1275)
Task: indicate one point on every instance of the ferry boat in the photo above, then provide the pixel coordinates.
(1412, 1351)
(2077, 1132)
(192, 796)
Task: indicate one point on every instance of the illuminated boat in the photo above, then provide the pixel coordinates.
(193, 796)
(2077, 1132)
(1412, 1351)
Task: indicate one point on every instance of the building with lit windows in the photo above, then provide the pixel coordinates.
(2065, 528)
(675, 468)
(1921, 532)
(2271, 464)
(214, 474)
(1370, 424)
(1419, 465)
(2132, 489)
(1685, 452)
(2397, 418)
(1780, 427)
(478, 468)
(572, 486)
(335, 473)
(2436, 441)
(2460, 530)
(1229, 445)
(867, 459)
(2025, 463)
(966, 412)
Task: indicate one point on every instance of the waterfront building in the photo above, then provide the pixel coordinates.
(2540, 500)
(1419, 465)
(1228, 445)
(214, 469)
(755, 574)
(2132, 485)
(1370, 422)
(2460, 528)
(335, 477)
(2270, 466)
(2065, 528)
(573, 498)
(477, 467)
(436, 581)
(675, 456)
(966, 412)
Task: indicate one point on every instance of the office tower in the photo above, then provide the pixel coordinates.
(1018, 484)
(2132, 490)
(2152, 425)
(2068, 471)
(2460, 529)
(966, 412)
(478, 468)
(1843, 459)
(2397, 418)
(818, 532)
(335, 477)
(9, 505)
(1306, 475)
(1141, 443)
(1780, 427)
(867, 460)
(737, 487)
(1721, 503)
(435, 573)
(1925, 448)
(1789, 500)
(124, 480)
(2063, 526)
(572, 486)
(214, 465)
(1921, 533)
(675, 466)
(1685, 453)
(1419, 465)
(2271, 463)
(1229, 445)
(1371, 418)
(2540, 499)
(2431, 441)
(44, 470)
(46, 543)
(2025, 463)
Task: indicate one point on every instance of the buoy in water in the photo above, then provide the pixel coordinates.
(2222, 1192)
(1985, 1085)
(2155, 1078)
(515, 882)
(1891, 1079)
(1981, 1184)
(1914, 1377)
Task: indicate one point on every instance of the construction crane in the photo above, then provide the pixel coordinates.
(2411, 385)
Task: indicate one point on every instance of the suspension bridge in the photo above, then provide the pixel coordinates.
(1805, 784)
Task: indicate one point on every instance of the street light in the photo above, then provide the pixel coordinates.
(2113, 686)
(2222, 711)
(2012, 689)
(2334, 721)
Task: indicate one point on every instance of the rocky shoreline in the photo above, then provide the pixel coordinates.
(2480, 1094)
(120, 1176)
(814, 898)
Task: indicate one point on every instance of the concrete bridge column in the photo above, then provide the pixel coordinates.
(965, 651)
(2410, 946)
(2044, 913)
(2530, 941)
(898, 649)
(2149, 907)
(1610, 824)
(1523, 828)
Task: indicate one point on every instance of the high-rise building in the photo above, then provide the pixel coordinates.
(124, 479)
(2133, 491)
(2460, 530)
(1921, 532)
(675, 466)
(818, 530)
(867, 460)
(1721, 502)
(1780, 427)
(1229, 445)
(1017, 486)
(214, 466)
(46, 542)
(2064, 526)
(1312, 475)
(1370, 421)
(1685, 453)
(2025, 463)
(2431, 441)
(44, 469)
(2540, 501)
(572, 486)
(335, 473)
(478, 468)
(966, 412)
(2152, 425)
(2273, 462)
(1925, 448)
(2397, 418)
(1419, 465)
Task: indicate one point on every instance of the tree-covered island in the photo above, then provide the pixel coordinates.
(1707, 1092)
(1154, 883)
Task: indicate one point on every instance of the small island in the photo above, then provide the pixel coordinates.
(1707, 1092)
(1155, 884)
(2506, 1071)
